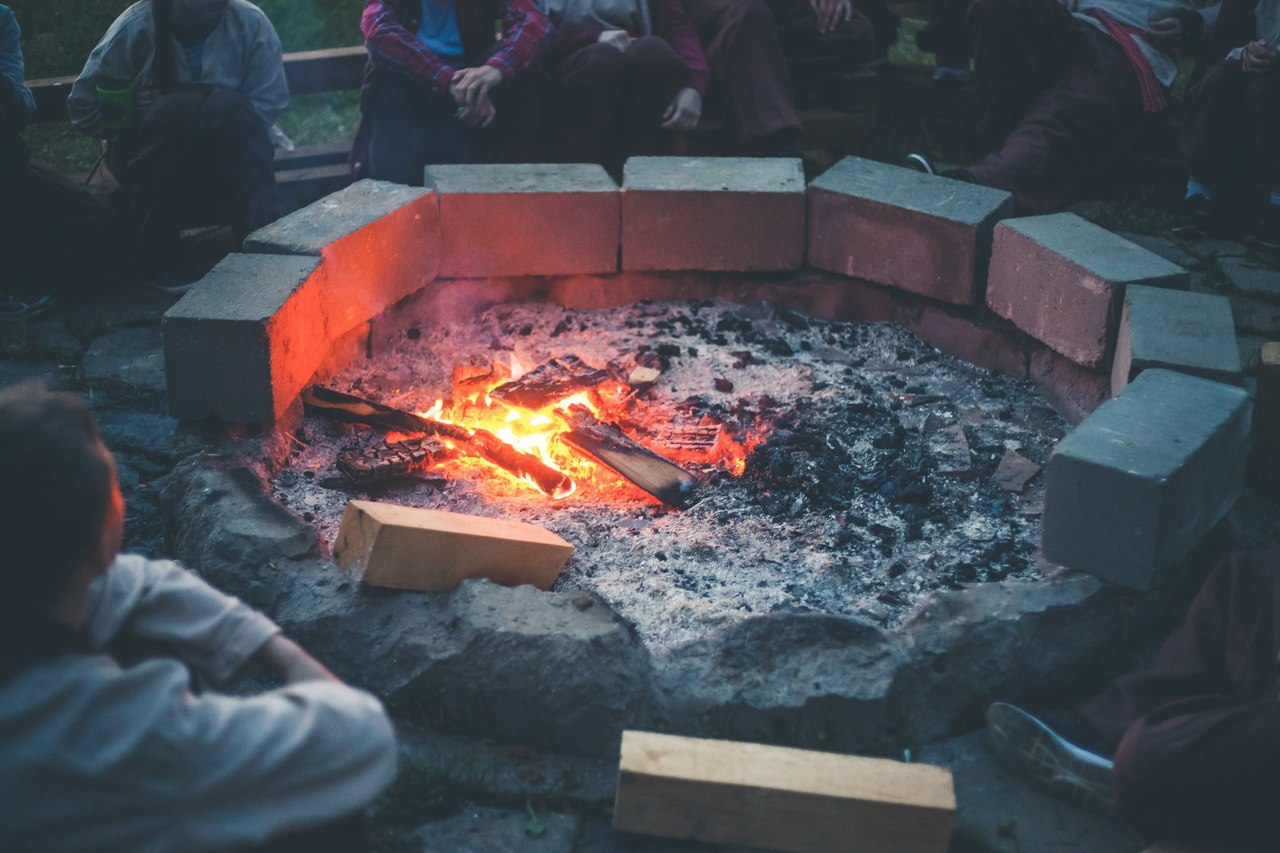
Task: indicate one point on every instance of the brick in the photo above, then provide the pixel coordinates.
(780, 798)
(244, 342)
(905, 229)
(1133, 489)
(431, 550)
(1060, 279)
(1178, 330)
(518, 220)
(713, 213)
(380, 242)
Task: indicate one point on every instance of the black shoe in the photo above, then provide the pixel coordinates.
(920, 163)
(1266, 228)
(1197, 218)
(1041, 757)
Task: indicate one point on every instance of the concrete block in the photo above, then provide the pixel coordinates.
(245, 341)
(905, 229)
(1133, 489)
(1060, 279)
(380, 242)
(713, 213)
(518, 220)
(1178, 330)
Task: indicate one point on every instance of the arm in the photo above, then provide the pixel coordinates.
(671, 23)
(391, 45)
(123, 54)
(20, 104)
(524, 27)
(161, 602)
(266, 86)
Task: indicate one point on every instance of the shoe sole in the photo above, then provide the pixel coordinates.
(1035, 753)
(920, 164)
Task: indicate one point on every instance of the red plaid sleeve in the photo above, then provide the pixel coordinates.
(391, 44)
(524, 26)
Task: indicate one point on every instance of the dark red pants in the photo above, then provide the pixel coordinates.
(754, 47)
(1060, 102)
(1199, 729)
(608, 104)
(1231, 128)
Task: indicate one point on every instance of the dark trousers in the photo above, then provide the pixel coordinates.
(1060, 102)
(198, 157)
(411, 126)
(1231, 129)
(1199, 729)
(608, 104)
(754, 46)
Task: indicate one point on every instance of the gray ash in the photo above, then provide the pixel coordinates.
(873, 486)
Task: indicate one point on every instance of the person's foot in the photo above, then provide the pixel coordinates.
(1041, 757)
(1197, 218)
(783, 143)
(920, 163)
(946, 75)
(1266, 229)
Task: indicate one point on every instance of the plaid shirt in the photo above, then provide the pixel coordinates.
(392, 41)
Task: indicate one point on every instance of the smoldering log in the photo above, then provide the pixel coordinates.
(609, 446)
(348, 408)
(384, 461)
(550, 382)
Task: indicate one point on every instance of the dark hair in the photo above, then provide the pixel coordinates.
(55, 490)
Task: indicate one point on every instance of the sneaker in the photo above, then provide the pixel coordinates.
(1038, 755)
(1197, 218)
(920, 163)
(29, 306)
(946, 75)
(1265, 232)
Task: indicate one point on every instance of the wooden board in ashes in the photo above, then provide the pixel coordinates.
(608, 445)
(383, 460)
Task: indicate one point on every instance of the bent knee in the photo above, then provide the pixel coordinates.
(749, 13)
(650, 53)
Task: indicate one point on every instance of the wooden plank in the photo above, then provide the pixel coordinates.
(784, 799)
(313, 156)
(1266, 422)
(430, 550)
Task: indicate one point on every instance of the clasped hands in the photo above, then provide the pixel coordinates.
(685, 109)
(1257, 57)
(470, 90)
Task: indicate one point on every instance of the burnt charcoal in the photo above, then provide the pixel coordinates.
(693, 352)
(526, 330)
(723, 385)
(413, 333)
(669, 350)
(806, 346)
(793, 318)
(914, 532)
(719, 340)
(561, 327)
(897, 569)
(965, 573)
(916, 493)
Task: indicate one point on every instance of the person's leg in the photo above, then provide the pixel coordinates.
(884, 25)
(1203, 770)
(1214, 142)
(748, 69)
(1020, 48)
(411, 127)
(514, 136)
(1074, 130)
(588, 85)
(816, 60)
(945, 36)
(654, 74)
(1263, 98)
(241, 156)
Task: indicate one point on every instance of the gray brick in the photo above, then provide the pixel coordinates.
(244, 342)
(905, 229)
(1060, 279)
(517, 220)
(380, 242)
(1133, 489)
(1178, 330)
(713, 213)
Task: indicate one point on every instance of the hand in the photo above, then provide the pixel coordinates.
(470, 85)
(830, 13)
(1256, 57)
(1165, 34)
(481, 115)
(621, 39)
(290, 662)
(684, 110)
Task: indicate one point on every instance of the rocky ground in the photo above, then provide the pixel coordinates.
(464, 793)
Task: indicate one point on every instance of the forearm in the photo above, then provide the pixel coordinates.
(671, 23)
(392, 46)
(524, 29)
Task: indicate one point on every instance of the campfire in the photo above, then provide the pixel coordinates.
(555, 428)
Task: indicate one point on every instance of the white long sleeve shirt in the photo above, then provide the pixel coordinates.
(98, 757)
(242, 54)
(1139, 14)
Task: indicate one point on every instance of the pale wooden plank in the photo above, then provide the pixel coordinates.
(781, 798)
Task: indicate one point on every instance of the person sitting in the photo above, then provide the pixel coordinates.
(41, 212)
(626, 75)
(440, 88)
(185, 93)
(1186, 748)
(756, 48)
(1231, 129)
(104, 743)
(1064, 90)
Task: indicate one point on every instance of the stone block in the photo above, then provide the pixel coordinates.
(1060, 279)
(713, 213)
(905, 229)
(1178, 330)
(1132, 489)
(246, 340)
(380, 242)
(521, 219)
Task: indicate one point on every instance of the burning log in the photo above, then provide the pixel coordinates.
(549, 382)
(384, 461)
(609, 446)
(351, 409)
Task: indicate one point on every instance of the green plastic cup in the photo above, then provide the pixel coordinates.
(115, 100)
